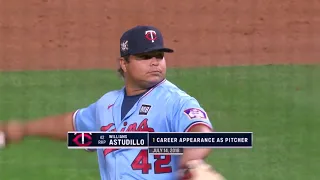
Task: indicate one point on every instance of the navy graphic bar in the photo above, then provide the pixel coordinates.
(81, 140)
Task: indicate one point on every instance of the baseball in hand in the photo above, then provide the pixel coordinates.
(2, 140)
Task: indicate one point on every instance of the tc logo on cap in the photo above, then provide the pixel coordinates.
(151, 35)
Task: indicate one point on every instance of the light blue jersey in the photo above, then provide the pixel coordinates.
(164, 108)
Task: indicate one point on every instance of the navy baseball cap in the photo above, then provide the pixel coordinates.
(142, 39)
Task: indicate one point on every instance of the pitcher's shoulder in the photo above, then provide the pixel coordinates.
(173, 92)
(178, 101)
(110, 96)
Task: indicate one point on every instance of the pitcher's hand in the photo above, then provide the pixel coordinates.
(199, 170)
(11, 132)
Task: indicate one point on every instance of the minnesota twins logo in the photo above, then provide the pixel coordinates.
(151, 35)
(86, 139)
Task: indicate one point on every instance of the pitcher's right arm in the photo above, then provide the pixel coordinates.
(52, 127)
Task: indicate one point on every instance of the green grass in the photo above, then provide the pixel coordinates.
(278, 103)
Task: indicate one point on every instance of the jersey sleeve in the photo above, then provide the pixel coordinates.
(188, 113)
(85, 119)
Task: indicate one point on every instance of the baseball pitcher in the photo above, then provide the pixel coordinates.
(148, 103)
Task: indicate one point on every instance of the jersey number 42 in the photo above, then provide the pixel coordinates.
(141, 162)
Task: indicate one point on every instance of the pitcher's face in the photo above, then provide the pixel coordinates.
(147, 68)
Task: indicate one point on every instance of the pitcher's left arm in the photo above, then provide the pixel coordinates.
(189, 116)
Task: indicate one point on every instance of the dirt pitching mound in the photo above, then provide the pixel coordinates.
(73, 34)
